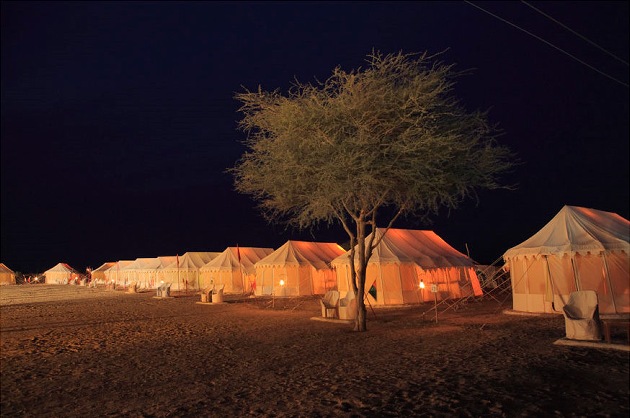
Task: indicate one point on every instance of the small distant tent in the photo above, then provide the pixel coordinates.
(298, 268)
(7, 276)
(234, 268)
(402, 260)
(579, 249)
(184, 272)
(98, 274)
(62, 273)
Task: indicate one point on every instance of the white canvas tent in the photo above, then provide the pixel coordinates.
(145, 272)
(234, 269)
(405, 257)
(98, 274)
(7, 276)
(61, 273)
(113, 274)
(298, 268)
(184, 272)
(579, 249)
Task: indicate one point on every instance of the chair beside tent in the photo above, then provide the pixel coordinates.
(330, 304)
(348, 306)
(581, 316)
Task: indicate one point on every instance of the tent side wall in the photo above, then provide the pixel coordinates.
(234, 281)
(543, 284)
(323, 280)
(185, 279)
(618, 266)
(264, 281)
(298, 280)
(7, 278)
(398, 284)
(60, 277)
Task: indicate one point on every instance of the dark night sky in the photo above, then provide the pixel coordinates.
(118, 118)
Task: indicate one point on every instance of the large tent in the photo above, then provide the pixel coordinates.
(403, 259)
(183, 273)
(61, 273)
(7, 276)
(113, 274)
(234, 269)
(298, 268)
(145, 272)
(579, 249)
(98, 274)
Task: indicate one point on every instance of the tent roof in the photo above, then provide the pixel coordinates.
(229, 259)
(150, 263)
(5, 269)
(316, 254)
(61, 268)
(193, 260)
(576, 229)
(121, 264)
(105, 266)
(423, 248)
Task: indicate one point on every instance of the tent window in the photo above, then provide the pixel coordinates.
(372, 290)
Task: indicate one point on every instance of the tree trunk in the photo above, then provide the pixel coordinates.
(361, 320)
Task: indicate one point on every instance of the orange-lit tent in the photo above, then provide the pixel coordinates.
(298, 268)
(579, 249)
(184, 273)
(113, 274)
(7, 276)
(405, 257)
(61, 274)
(145, 272)
(234, 269)
(98, 275)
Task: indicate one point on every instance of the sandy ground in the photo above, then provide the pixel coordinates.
(68, 351)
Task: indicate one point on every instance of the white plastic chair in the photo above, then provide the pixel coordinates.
(348, 306)
(329, 304)
(581, 316)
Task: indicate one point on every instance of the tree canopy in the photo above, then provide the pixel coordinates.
(391, 135)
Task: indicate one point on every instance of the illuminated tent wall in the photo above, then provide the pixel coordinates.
(113, 274)
(98, 275)
(7, 276)
(145, 272)
(184, 275)
(61, 274)
(131, 273)
(237, 276)
(304, 267)
(405, 257)
(579, 249)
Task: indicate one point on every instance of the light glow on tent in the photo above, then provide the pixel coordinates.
(281, 282)
(421, 284)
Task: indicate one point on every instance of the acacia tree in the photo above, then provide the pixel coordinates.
(388, 139)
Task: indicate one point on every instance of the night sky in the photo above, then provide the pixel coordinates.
(119, 118)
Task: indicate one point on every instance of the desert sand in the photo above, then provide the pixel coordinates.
(71, 351)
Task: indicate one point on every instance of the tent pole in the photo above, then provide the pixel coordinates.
(576, 277)
(612, 294)
(552, 286)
